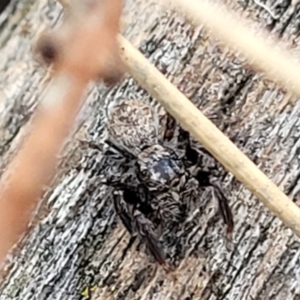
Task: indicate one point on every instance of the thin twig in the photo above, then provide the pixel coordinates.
(75, 63)
(210, 136)
(261, 50)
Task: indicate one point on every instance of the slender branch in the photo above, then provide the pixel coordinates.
(210, 136)
(259, 48)
(75, 63)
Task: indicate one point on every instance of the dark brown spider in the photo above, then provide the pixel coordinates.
(150, 180)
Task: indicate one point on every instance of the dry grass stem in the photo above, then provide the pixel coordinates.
(210, 136)
(263, 52)
(75, 63)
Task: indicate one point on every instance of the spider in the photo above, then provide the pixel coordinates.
(151, 181)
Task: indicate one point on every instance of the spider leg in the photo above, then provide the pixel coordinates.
(90, 144)
(122, 213)
(137, 222)
(191, 155)
(224, 209)
(170, 127)
(117, 149)
(204, 180)
(144, 228)
(142, 225)
(192, 158)
(137, 196)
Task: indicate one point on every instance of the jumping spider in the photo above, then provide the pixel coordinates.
(151, 182)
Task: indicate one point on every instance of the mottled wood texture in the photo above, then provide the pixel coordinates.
(76, 243)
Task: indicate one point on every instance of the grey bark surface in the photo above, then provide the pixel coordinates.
(76, 247)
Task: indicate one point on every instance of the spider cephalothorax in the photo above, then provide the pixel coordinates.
(151, 180)
(160, 168)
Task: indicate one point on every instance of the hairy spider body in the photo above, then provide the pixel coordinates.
(132, 126)
(152, 178)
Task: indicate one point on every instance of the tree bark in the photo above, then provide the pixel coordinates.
(76, 247)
